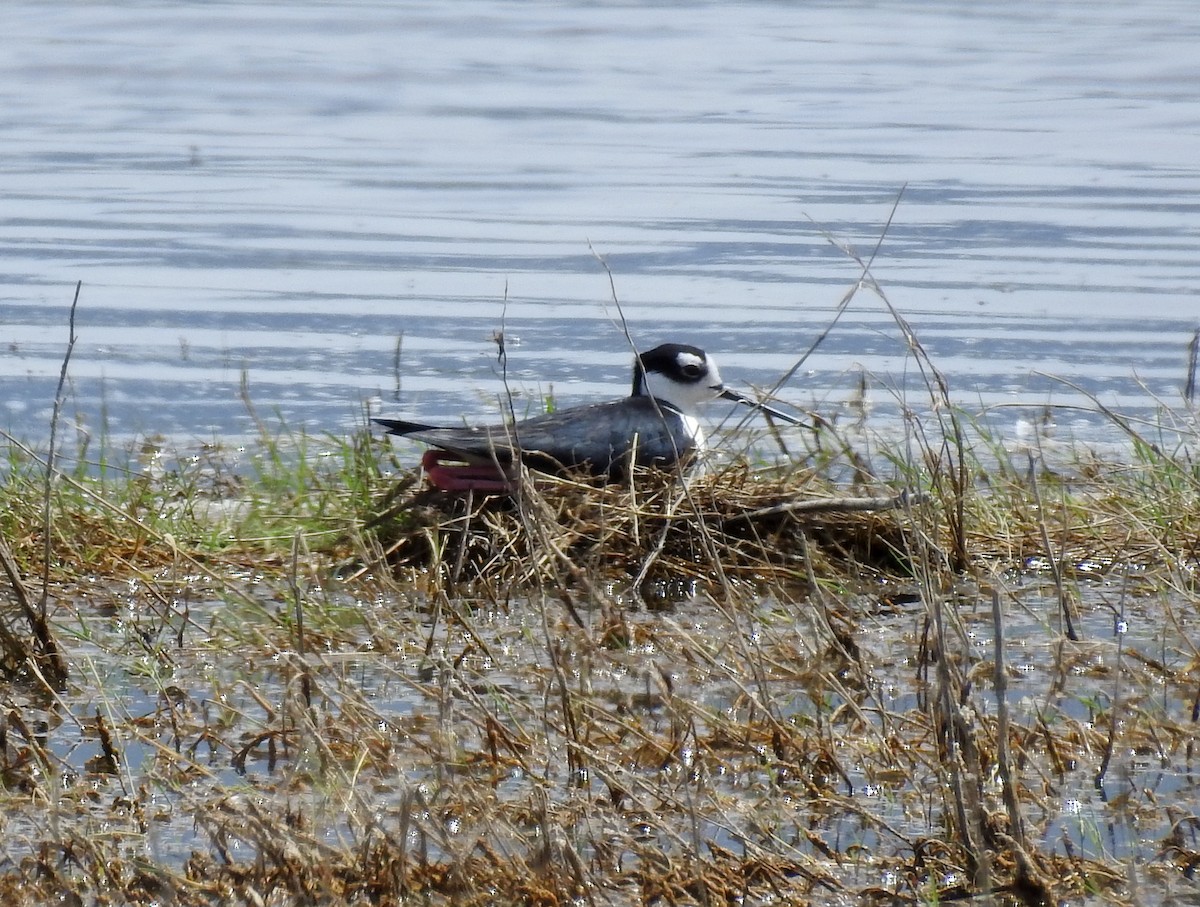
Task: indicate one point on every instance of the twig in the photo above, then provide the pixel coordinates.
(396, 363)
(293, 580)
(1003, 761)
(525, 496)
(1113, 711)
(10, 640)
(679, 471)
(1055, 567)
(46, 651)
(832, 505)
(1189, 390)
(844, 304)
(1027, 870)
(51, 454)
(244, 393)
(961, 754)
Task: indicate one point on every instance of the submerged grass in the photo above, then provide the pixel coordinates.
(296, 675)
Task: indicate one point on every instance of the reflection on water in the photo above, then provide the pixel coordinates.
(287, 190)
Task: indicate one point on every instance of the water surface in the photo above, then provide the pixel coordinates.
(307, 194)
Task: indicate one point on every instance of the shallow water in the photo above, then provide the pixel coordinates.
(289, 189)
(214, 706)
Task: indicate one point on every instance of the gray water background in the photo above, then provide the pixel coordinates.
(287, 189)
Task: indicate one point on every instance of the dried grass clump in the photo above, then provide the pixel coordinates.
(1088, 516)
(766, 527)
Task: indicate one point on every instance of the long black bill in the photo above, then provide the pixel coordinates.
(727, 394)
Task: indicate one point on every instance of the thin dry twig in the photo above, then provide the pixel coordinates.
(52, 452)
(833, 505)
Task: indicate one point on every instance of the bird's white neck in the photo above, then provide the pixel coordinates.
(686, 399)
(691, 427)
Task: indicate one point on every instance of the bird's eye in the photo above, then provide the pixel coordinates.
(691, 370)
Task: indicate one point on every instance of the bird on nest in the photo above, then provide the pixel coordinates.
(656, 425)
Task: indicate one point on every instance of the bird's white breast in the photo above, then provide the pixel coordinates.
(691, 428)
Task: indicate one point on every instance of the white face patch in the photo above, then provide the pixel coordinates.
(696, 381)
(690, 362)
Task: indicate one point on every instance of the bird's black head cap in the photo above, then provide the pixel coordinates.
(677, 362)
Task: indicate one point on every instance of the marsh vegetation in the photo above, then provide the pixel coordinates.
(851, 668)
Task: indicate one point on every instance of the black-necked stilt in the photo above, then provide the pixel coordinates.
(656, 425)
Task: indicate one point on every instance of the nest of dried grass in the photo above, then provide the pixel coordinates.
(766, 527)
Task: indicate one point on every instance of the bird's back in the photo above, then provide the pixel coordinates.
(600, 437)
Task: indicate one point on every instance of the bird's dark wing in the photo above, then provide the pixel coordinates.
(599, 436)
(483, 443)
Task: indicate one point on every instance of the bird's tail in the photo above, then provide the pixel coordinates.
(402, 427)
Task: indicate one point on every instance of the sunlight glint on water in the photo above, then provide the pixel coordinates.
(290, 189)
